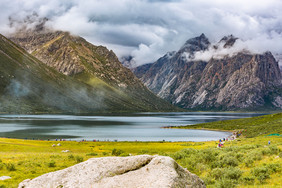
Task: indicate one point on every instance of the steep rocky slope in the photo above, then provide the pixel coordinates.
(28, 86)
(74, 56)
(231, 82)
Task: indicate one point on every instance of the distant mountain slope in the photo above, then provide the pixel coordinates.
(239, 81)
(29, 86)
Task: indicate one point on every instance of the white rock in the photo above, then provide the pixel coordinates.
(5, 177)
(124, 172)
(66, 151)
(54, 145)
(59, 144)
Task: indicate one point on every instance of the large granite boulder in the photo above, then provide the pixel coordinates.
(132, 172)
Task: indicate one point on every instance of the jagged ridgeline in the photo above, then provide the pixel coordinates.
(76, 77)
(237, 81)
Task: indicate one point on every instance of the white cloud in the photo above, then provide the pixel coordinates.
(148, 29)
(257, 45)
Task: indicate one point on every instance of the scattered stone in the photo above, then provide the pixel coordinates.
(59, 144)
(123, 172)
(277, 157)
(5, 177)
(66, 151)
(54, 145)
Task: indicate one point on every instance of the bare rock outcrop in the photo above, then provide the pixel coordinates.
(136, 171)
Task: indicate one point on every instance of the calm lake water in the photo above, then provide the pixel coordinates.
(121, 127)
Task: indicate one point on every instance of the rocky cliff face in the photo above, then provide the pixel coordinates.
(72, 55)
(239, 81)
(278, 57)
(124, 172)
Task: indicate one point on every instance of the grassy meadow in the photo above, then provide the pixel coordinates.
(245, 162)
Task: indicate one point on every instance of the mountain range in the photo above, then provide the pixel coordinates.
(234, 81)
(56, 72)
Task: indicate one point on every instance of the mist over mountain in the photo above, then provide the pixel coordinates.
(218, 76)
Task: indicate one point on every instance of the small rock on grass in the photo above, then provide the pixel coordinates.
(5, 177)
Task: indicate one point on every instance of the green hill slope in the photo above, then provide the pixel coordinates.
(253, 127)
(29, 86)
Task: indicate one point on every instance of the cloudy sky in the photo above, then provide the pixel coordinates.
(147, 29)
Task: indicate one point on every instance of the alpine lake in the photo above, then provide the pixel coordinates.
(115, 127)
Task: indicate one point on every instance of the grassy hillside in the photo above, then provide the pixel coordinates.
(29, 86)
(244, 162)
(99, 68)
(261, 125)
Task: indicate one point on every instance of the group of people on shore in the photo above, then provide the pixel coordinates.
(232, 137)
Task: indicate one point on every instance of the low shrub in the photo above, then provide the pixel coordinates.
(248, 147)
(200, 167)
(217, 173)
(274, 150)
(225, 161)
(10, 167)
(225, 183)
(255, 155)
(261, 173)
(37, 164)
(78, 159)
(71, 157)
(51, 164)
(239, 156)
(117, 152)
(33, 172)
(209, 155)
(209, 180)
(248, 180)
(91, 154)
(105, 153)
(248, 162)
(20, 162)
(229, 161)
(215, 164)
(273, 167)
(179, 155)
(124, 154)
(233, 173)
(189, 151)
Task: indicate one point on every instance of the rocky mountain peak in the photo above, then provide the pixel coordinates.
(228, 41)
(199, 43)
(240, 80)
(128, 62)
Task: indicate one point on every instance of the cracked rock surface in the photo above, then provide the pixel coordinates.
(134, 172)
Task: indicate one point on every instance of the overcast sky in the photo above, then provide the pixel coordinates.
(147, 29)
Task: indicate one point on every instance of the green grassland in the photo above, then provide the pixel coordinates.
(252, 127)
(244, 162)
